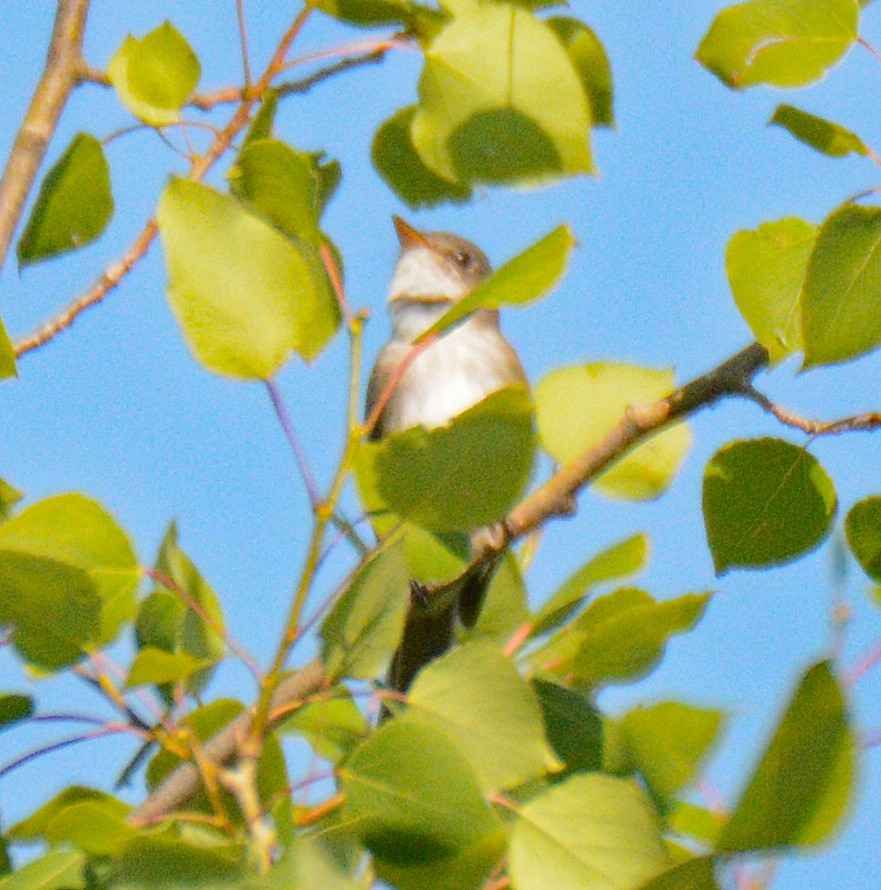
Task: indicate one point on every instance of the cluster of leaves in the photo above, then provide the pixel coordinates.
(498, 760)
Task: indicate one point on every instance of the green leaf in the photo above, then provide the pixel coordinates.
(694, 874)
(244, 295)
(765, 502)
(416, 804)
(404, 172)
(163, 862)
(841, 306)
(588, 55)
(68, 576)
(14, 708)
(459, 476)
(73, 206)
(157, 666)
(784, 43)
(7, 363)
(282, 185)
(802, 784)
(333, 726)
(484, 114)
(372, 13)
(573, 725)
(826, 137)
(591, 832)
(766, 271)
(667, 742)
(288, 189)
(362, 630)
(9, 497)
(98, 827)
(36, 826)
(62, 870)
(695, 822)
(622, 639)
(617, 562)
(530, 275)
(154, 76)
(166, 621)
(578, 407)
(310, 861)
(475, 696)
(863, 527)
(264, 119)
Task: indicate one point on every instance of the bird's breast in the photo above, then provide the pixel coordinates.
(452, 375)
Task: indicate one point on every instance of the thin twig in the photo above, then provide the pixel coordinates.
(60, 76)
(292, 87)
(200, 166)
(216, 626)
(867, 422)
(287, 426)
(241, 781)
(106, 729)
(243, 40)
(181, 784)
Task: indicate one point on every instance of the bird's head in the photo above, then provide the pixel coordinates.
(435, 267)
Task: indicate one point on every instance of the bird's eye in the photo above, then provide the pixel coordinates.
(463, 259)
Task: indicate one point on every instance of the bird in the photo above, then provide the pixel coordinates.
(467, 363)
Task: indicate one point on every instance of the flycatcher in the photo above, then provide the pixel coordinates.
(462, 367)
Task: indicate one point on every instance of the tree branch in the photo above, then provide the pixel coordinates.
(60, 75)
(864, 423)
(200, 166)
(731, 378)
(183, 783)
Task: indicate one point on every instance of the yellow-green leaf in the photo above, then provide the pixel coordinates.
(577, 407)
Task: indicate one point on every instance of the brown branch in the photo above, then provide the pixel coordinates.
(731, 378)
(183, 783)
(229, 95)
(102, 286)
(200, 166)
(60, 75)
(864, 423)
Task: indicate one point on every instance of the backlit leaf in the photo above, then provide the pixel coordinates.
(155, 75)
(841, 306)
(244, 296)
(590, 832)
(785, 43)
(615, 563)
(528, 276)
(364, 627)
(475, 695)
(766, 270)
(68, 576)
(484, 114)
(826, 137)
(459, 476)
(803, 783)
(577, 407)
(416, 804)
(398, 163)
(589, 57)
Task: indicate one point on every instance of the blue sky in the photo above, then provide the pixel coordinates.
(117, 408)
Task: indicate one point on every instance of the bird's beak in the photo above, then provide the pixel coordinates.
(407, 235)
